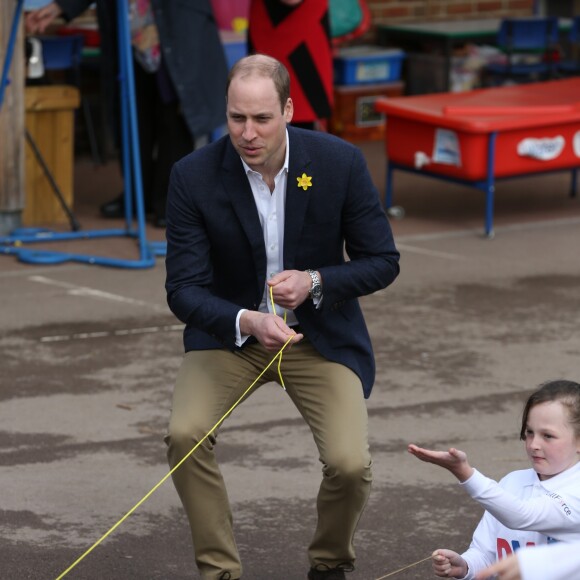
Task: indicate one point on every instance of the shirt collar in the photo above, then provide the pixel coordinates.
(555, 483)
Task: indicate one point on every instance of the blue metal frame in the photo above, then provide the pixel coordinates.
(131, 160)
(486, 185)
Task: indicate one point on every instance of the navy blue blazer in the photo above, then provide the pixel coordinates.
(216, 258)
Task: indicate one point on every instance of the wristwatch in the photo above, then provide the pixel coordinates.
(316, 291)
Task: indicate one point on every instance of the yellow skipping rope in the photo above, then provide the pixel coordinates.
(404, 568)
(170, 473)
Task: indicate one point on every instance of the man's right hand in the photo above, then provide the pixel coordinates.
(37, 21)
(270, 330)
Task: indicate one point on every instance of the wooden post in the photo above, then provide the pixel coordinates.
(12, 125)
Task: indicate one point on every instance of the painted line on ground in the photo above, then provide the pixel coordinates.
(85, 291)
(107, 334)
(26, 272)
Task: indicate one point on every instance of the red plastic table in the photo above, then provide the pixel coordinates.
(478, 136)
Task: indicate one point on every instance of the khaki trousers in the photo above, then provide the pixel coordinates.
(330, 398)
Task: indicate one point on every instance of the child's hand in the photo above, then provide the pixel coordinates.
(448, 564)
(454, 460)
(506, 569)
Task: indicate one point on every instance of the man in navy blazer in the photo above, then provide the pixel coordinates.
(259, 225)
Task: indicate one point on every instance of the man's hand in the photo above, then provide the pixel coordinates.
(270, 330)
(290, 288)
(448, 564)
(37, 21)
(454, 460)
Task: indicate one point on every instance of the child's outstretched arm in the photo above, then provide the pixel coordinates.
(448, 564)
(453, 460)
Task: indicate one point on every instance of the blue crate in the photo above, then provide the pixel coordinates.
(235, 46)
(366, 64)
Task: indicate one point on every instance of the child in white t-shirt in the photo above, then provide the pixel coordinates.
(527, 507)
(558, 561)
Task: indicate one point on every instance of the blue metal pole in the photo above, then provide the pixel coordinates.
(490, 185)
(129, 108)
(124, 109)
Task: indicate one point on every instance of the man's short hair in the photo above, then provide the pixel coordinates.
(263, 66)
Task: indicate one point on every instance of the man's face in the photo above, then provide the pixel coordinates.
(256, 123)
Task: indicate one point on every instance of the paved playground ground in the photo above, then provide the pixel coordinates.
(89, 356)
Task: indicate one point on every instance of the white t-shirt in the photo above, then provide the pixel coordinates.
(522, 511)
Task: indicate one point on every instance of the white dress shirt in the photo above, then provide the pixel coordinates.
(271, 207)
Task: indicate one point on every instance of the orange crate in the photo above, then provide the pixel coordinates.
(354, 117)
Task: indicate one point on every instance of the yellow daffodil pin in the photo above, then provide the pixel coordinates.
(305, 181)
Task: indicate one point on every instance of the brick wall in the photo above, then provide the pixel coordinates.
(390, 11)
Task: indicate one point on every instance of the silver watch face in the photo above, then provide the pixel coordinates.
(316, 290)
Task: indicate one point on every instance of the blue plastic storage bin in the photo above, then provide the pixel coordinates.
(366, 64)
(235, 46)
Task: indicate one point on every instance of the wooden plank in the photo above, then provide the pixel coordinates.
(51, 98)
(50, 122)
(11, 126)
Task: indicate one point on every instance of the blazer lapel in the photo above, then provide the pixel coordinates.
(240, 194)
(297, 198)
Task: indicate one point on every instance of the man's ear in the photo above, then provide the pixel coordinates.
(289, 110)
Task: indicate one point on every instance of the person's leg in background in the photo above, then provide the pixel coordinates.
(148, 104)
(174, 141)
(147, 101)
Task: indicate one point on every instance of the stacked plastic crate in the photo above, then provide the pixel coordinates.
(362, 74)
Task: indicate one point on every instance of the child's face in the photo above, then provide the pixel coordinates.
(551, 444)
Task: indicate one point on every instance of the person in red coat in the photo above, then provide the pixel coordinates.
(297, 33)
